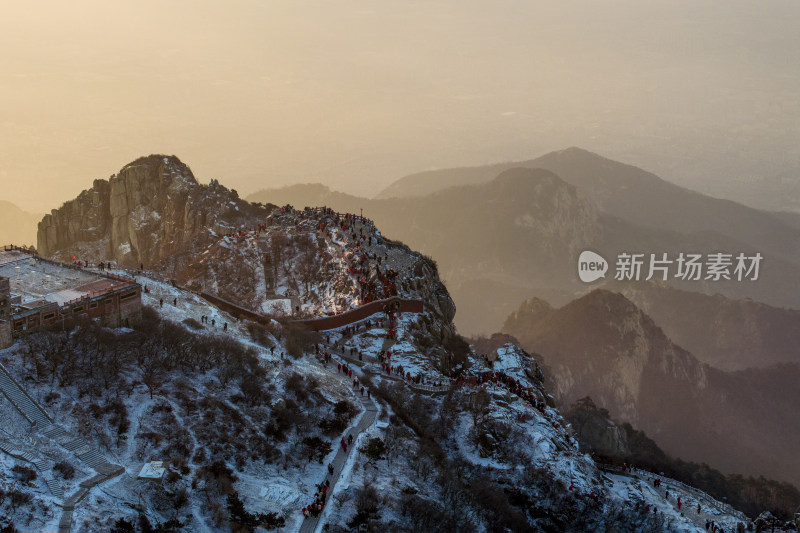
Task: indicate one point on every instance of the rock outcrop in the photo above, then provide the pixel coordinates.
(84, 219)
(596, 431)
(153, 208)
(603, 346)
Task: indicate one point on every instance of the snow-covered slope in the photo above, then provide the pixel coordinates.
(489, 451)
(252, 420)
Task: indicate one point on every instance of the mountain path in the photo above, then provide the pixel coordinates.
(311, 523)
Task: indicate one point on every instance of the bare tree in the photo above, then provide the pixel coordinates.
(395, 442)
(478, 404)
(278, 245)
(152, 377)
(308, 268)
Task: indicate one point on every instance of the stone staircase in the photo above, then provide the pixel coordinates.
(26, 405)
(78, 446)
(43, 467)
(55, 488)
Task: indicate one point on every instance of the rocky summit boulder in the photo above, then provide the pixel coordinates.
(152, 208)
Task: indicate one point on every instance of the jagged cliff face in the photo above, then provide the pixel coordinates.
(84, 219)
(595, 430)
(147, 203)
(152, 208)
(603, 346)
(426, 281)
(154, 213)
(745, 333)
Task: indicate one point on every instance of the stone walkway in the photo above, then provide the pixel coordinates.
(310, 524)
(26, 405)
(43, 466)
(43, 423)
(691, 496)
(432, 390)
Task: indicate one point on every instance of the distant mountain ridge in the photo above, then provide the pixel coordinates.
(722, 332)
(427, 182)
(17, 226)
(475, 232)
(629, 193)
(603, 346)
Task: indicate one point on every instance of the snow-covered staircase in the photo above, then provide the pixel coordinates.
(42, 466)
(84, 451)
(55, 488)
(31, 410)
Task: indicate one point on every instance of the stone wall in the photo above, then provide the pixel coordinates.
(5, 334)
(360, 313)
(130, 311)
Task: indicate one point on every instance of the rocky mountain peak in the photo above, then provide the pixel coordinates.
(533, 309)
(603, 345)
(147, 211)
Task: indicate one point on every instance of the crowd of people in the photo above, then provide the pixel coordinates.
(512, 385)
(318, 505)
(320, 497)
(364, 262)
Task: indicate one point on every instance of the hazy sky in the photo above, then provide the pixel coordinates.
(358, 93)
